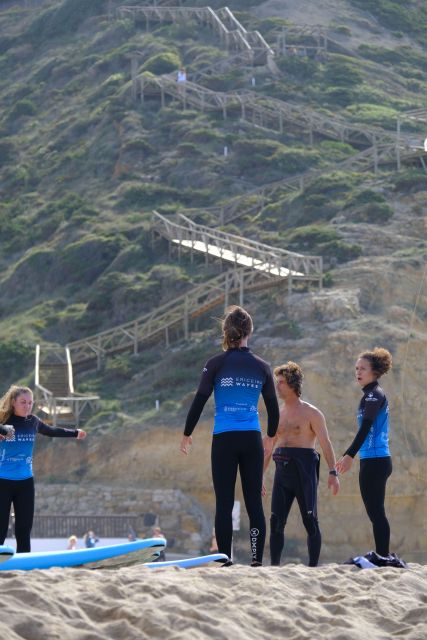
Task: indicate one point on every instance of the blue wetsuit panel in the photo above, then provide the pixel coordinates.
(237, 377)
(16, 456)
(374, 406)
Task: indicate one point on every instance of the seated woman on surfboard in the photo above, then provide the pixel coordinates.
(237, 377)
(18, 429)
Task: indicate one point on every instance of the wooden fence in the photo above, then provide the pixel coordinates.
(62, 526)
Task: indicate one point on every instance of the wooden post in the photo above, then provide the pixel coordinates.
(398, 144)
(135, 338)
(186, 318)
(98, 355)
(375, 150)
(142, 89)
(133, 70)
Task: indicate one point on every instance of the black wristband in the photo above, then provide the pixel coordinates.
(333, 472)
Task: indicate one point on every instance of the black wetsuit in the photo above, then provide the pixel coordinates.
(237, 377)
(16, 476)
(296, 476)
(371, 442)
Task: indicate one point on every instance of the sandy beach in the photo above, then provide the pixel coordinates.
(239, 602)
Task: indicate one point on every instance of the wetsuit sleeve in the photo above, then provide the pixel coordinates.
(203, 393)
(3, 431)
(194, 413)
(55, 432)
(372, 406)
(271, 404)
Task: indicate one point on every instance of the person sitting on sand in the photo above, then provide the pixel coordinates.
(157, 533)
(72, 543)
(297, 463)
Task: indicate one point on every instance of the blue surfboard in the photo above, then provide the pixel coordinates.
(188, 563)
(138, 550)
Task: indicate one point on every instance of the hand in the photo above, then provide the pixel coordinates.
(81, 435)
(186, 443)
(10, 435)
(344, 464)
(263, 490)
(333, 484)
(268, 446)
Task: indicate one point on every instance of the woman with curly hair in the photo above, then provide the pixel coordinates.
(371, 442)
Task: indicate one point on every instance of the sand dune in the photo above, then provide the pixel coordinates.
(239, 602)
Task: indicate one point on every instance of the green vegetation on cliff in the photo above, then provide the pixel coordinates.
(83, 164)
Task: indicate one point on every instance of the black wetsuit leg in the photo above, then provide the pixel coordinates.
(231, 451)
(251, 465)
(20, 493)
(373, 476)
(288, 482)
(6, 496)
(281, 502)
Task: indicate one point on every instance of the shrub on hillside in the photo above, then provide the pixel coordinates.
(411, 180)
(7, 149)
(291, 161)
(373, 114)
(373, 213)
(165, 62)
(323, 240)
(107, 88)
(152, 194)
(16, 360)
(63, 19)
(342, 71)
(253, 154)
(396, 15)
(301, 68)
(24, 107)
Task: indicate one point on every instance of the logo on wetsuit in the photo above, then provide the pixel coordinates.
(254, 539)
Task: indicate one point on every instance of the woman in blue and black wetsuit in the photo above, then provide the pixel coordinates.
(237, 377)
(371, 442)
(18, 429)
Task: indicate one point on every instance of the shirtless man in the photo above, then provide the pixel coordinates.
(297, 463)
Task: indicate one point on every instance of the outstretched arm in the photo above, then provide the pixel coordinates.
(318, 424)
(59, 432)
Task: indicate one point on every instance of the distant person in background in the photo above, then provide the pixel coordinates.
(72, 543)
(90, 539)
(182, 76)
(18, 430)
(132, 534)
(157, 533)
(371, 441)
(237, 377)
(297, 463)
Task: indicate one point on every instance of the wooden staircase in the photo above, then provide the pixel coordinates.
(54, 396)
